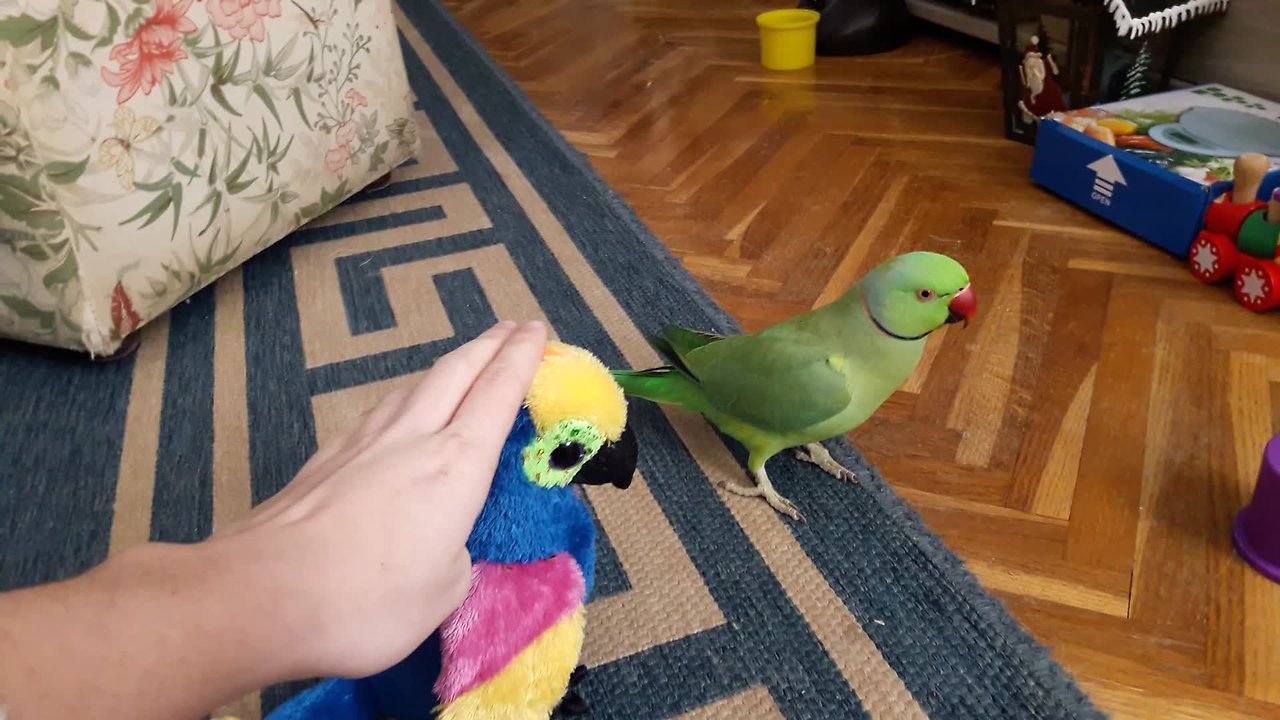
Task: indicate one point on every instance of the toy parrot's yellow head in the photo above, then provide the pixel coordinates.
(580, 415)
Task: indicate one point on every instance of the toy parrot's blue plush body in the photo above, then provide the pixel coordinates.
(511, 650)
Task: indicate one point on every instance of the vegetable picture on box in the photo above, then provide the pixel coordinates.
(1198, 139)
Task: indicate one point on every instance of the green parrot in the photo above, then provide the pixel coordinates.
(813, 377)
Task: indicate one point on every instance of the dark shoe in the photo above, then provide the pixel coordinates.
(860, 27)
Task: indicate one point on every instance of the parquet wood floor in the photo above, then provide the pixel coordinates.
(1084, 446)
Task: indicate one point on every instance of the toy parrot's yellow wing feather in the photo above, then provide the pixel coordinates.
(532, 685)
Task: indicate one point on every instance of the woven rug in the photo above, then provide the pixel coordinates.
(708, 605)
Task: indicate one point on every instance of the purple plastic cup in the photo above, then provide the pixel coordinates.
(1257, 529)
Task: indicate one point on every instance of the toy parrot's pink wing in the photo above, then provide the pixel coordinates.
(508, 607)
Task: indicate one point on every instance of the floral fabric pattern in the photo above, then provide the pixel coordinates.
(147, 147)
(243, 18)
(149, 56)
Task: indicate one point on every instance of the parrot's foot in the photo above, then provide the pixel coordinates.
(817, 454)
(764, 489)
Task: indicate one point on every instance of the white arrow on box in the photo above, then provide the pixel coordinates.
(1106, 174)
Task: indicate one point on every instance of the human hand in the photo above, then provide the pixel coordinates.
(365, 549)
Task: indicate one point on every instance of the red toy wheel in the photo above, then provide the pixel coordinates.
(1257, 285)
(1213, 257)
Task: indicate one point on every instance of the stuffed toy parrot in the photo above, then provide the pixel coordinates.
(511, 650)
(813, 377)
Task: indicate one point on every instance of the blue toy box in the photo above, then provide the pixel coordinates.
(1152, 165)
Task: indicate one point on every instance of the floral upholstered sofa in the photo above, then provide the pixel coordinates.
(147, 147)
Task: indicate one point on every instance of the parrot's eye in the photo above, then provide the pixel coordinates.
(926, 295)
(556, 456)
(567, 455)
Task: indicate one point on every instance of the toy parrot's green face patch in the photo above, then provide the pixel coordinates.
(556, 456)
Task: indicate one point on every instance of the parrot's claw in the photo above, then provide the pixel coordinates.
(764, 489)
(817, 454)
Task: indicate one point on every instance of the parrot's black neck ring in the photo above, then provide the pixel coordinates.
(884, 329)
(893, 334)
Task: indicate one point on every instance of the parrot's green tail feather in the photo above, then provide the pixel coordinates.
(674, 383)
(661, 385)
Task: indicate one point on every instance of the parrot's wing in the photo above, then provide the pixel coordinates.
(777, 382)
(498, 620)
(533, 685)
(676, 342)
(684, 341)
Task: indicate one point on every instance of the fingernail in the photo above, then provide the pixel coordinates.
(505, 325)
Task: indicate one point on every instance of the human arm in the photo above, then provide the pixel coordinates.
(343, 572)
(160, 630)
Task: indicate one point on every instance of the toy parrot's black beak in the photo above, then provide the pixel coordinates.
(615, 464)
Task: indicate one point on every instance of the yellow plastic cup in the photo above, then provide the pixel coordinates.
(788, 38)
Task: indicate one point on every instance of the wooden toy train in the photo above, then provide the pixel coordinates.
(1240, 239)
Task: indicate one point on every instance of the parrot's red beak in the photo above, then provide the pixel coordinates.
(963, 306)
